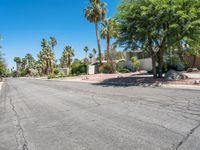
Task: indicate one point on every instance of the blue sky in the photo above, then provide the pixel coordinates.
(24, 23)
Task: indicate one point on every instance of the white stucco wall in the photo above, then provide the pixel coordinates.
(146, 64)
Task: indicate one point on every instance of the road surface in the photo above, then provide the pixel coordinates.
(54, 115)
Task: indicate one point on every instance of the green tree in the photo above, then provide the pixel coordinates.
(86, 49)
(108, 32)
(90, 57)
(53, 42)
(157, 25)
(95, 13)
(2, 65)
(67, 56)
(46, 57)
(18, 62)
(29, 58)
(94, 52)
(194, 51)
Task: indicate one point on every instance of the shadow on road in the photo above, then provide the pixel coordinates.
(131, 81)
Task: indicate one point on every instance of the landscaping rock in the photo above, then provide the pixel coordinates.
(173, 75)
(197, 82)
(192, 70)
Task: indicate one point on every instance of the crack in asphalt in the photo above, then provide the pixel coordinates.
(19, 136)
(187, 137)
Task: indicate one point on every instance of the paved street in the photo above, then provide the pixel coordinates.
(54, 115)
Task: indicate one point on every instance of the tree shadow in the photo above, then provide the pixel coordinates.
(132, 81)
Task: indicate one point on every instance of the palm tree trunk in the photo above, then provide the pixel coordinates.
(108, 49)
(98, 43)
(109, 60)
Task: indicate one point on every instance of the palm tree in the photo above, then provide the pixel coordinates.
(44, 43)
(46, 57)
(29, 58)
(108, 32)
(94, 52)
(86, 49)
(90, 57)
(18, 62)
(53, 42)
(95, 13)
(67, 55)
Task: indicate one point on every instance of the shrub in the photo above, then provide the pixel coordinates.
(123, 66)
(136, 63)
(23, 72)
(174, 63)
(105, 68)
(78, 69)
(51, 76)
(124, 70)
(56, 71)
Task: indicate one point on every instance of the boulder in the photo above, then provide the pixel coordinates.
(174, 75)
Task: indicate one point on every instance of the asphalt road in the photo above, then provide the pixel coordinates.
(53, 115)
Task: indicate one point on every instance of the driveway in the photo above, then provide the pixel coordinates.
(55, 115)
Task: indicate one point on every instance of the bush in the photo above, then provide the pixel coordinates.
(136, 63)
(51, 76)
(105, 68)
(79, 69)
(56, 71)
(174, 63)
(123, 66)
(124, 70)
(23, 72)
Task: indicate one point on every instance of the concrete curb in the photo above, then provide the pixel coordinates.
(169, 86)
(1, 84)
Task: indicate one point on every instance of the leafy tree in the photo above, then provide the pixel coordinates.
(157, 25)
(95, 13)
(18, 62)
(194, 51)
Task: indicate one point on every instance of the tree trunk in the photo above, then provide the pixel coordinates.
(108, 49)
(153, 64)
(160, 67)
(153, 58)
(98, 43)
(194, 61)
(109, 59)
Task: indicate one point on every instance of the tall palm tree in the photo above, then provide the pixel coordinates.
(67, 56)
(29, 58)
(108, 32)
(86, 49)
(90, 57)
(46, 57)
(94, 52)
(95, 13)
(18, 62)
(44, 43)
(53, 42)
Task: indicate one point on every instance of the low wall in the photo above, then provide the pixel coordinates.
(146, 64)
